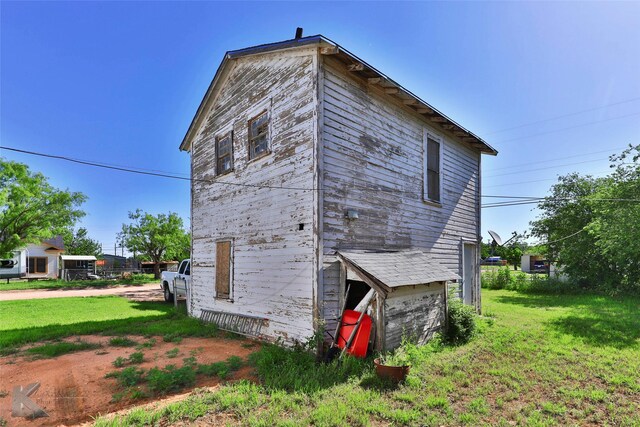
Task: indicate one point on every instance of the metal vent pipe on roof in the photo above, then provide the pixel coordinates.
(298, 33)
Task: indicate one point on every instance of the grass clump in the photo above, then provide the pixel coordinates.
(173, 353)
(60, 348)
(133, 359)
(121, 342)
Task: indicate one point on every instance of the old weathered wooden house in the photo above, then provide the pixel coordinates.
(313, 170)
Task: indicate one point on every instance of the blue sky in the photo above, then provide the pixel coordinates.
(119, 82)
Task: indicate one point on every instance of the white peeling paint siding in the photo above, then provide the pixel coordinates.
(415, 312)
(372, 163)
(273, 261)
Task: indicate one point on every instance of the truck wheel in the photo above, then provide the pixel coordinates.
(168, 296)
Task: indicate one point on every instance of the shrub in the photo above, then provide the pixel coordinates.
(461, 323)
(128, 377)
(163, 381)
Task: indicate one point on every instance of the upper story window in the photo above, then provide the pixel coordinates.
(259, 135)
(432, 168)
(224, 153)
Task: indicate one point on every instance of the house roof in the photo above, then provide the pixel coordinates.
(55, 243)
(77, 258)
(393, 269)
(357, 67)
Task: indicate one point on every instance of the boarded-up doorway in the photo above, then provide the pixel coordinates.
(468, 272)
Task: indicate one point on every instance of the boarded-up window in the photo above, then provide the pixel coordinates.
(224, 153)
(259, 135)
(223, 269)
(432, 172)
(37, 265)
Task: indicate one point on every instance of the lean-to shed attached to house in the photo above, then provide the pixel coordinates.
(312, 170)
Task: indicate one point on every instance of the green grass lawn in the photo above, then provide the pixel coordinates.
(137, 279)
(27, 321)
(539, 360)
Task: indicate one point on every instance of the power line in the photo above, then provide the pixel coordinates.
(563, 116)
(558, 158)
(140, 172)
(88, 163)
(532, 181)
(569, 127)
(545, 168)
(560, 239)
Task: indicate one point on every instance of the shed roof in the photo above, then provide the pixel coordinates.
(355, 65)
(78, 257)
(398, 268)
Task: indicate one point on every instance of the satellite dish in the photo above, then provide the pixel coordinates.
(496, 237)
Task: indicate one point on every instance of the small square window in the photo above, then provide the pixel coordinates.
(224, 153)
(259, 135)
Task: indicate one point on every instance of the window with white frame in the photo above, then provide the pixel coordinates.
(259, 135)
(432, 168)
(224, 153)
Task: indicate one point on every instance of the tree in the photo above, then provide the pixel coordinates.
(31, 209)
(158, 237)
(591, 228)
(79, 243)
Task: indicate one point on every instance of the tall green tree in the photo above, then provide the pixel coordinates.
(591, 225)
(31, 209)
(158, 237)
(78, 242)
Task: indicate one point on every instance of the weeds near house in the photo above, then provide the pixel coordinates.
(157, 381)
(121, 342)
(461, 323)
(59, 348)
(133, 359)
(147, 344)
(172, 353)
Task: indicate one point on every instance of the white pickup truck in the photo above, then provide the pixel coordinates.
(176, 283)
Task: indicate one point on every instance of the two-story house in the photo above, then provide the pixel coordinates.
(313, 171)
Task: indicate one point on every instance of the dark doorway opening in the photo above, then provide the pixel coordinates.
(357, 292)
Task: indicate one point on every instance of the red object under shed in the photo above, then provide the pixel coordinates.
(360, 342)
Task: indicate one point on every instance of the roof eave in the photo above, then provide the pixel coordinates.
(358, 67)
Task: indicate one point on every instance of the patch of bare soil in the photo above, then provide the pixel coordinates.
(73, 387)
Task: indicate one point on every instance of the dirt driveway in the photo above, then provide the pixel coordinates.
(73, 387)
(148, 292)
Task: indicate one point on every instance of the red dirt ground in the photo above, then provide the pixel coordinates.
(73, 387)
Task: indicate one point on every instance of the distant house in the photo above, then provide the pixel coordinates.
(36, 261)
(313, 172)
(148, 266)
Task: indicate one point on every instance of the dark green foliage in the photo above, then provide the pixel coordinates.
(128, 377)
(461, 323)
(173, 337)
(121, 342)
(168, 379)
(297, 369)
(119, 362)
(32, 209)
(60, 348)
(136, 358)
(172, 353)
(591, 226)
